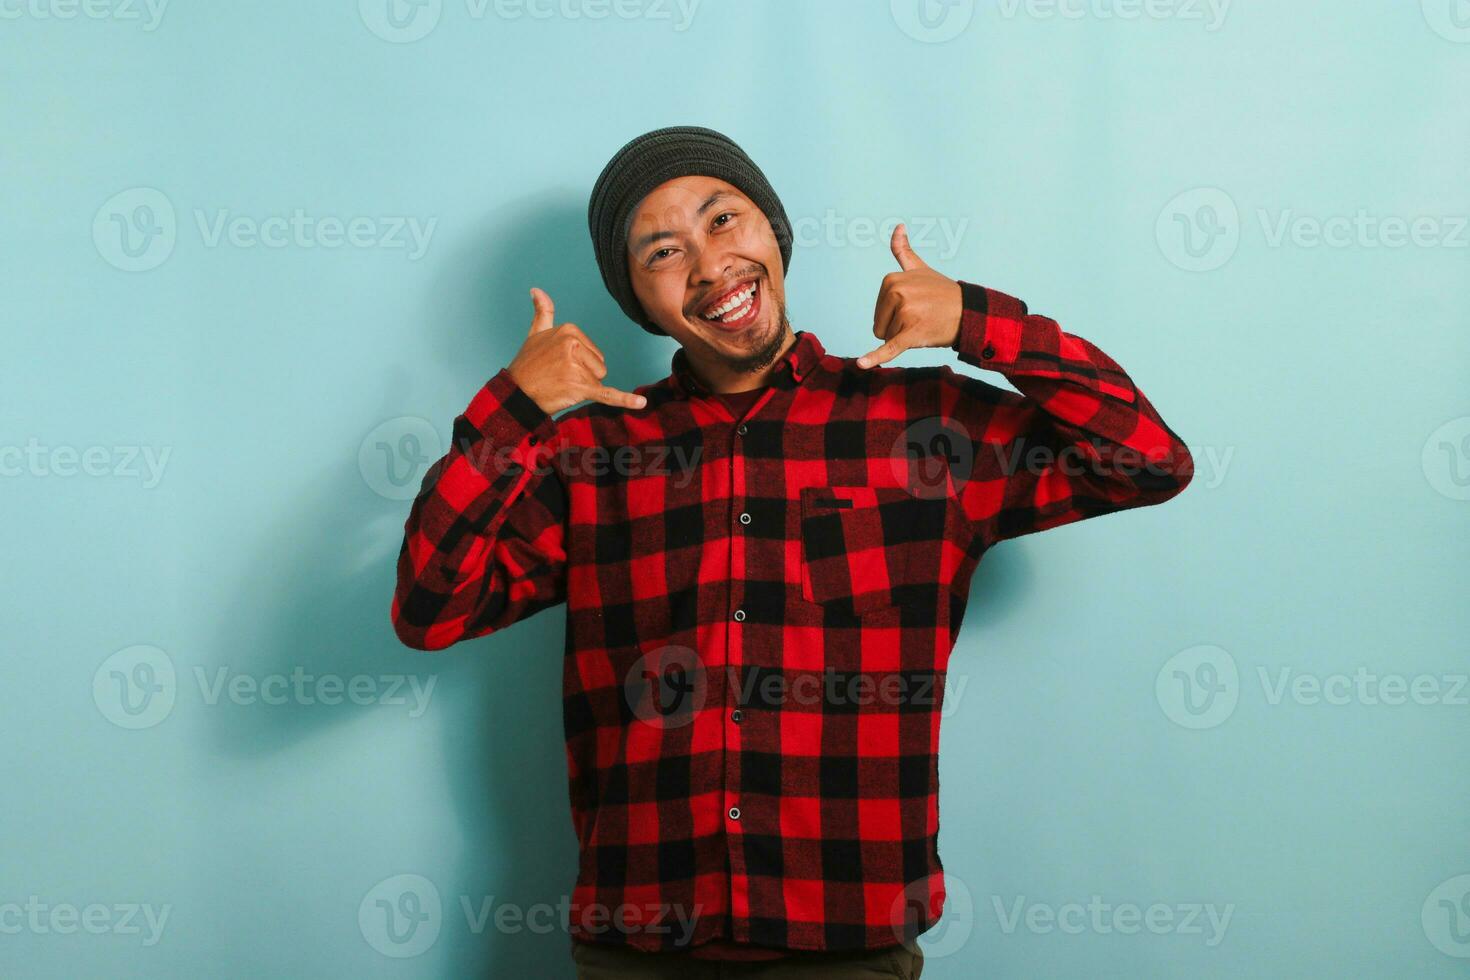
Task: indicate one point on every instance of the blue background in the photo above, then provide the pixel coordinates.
(1151, 181)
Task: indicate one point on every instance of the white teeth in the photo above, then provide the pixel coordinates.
(740, 301)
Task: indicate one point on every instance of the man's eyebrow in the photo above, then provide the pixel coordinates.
(657, 236)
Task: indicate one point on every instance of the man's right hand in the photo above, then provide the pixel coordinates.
(559, 367)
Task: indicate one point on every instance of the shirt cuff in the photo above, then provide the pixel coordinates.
(509, 420)
(990, 327)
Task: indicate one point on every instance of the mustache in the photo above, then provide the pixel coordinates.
(755, 272)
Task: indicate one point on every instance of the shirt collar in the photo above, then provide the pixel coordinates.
(795, 365)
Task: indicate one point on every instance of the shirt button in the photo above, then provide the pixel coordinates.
(734, 813)
(744, 518)
(988, 352)
(740, 615)
(741, 428)
(736, 715)
(533, 440)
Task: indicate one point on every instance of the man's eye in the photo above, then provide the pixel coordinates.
(726, 214)
(658, 254)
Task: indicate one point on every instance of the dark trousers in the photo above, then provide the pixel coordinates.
(603, 961)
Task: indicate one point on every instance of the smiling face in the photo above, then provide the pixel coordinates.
(707, 269)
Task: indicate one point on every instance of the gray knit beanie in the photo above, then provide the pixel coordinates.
(647, 161)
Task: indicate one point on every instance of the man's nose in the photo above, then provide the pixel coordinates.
(712, 266)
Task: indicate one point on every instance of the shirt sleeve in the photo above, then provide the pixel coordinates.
(1080, 440)
(483, 546)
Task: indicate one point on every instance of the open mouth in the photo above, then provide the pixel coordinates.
(735, 309)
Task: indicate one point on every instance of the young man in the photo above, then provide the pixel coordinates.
(765, 559)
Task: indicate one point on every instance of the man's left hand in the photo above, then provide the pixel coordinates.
(917, 307)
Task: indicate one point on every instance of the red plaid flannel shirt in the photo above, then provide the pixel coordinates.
(760, 611)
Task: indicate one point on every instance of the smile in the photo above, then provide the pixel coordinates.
(736, 308)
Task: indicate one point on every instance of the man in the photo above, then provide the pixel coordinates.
(765, 559)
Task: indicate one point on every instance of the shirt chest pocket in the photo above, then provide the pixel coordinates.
(861, 547)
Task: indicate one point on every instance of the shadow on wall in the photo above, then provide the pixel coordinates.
(317, 595)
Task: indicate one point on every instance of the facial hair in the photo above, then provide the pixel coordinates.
(762, 357)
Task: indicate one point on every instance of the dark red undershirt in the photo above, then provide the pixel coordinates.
(739, 402)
